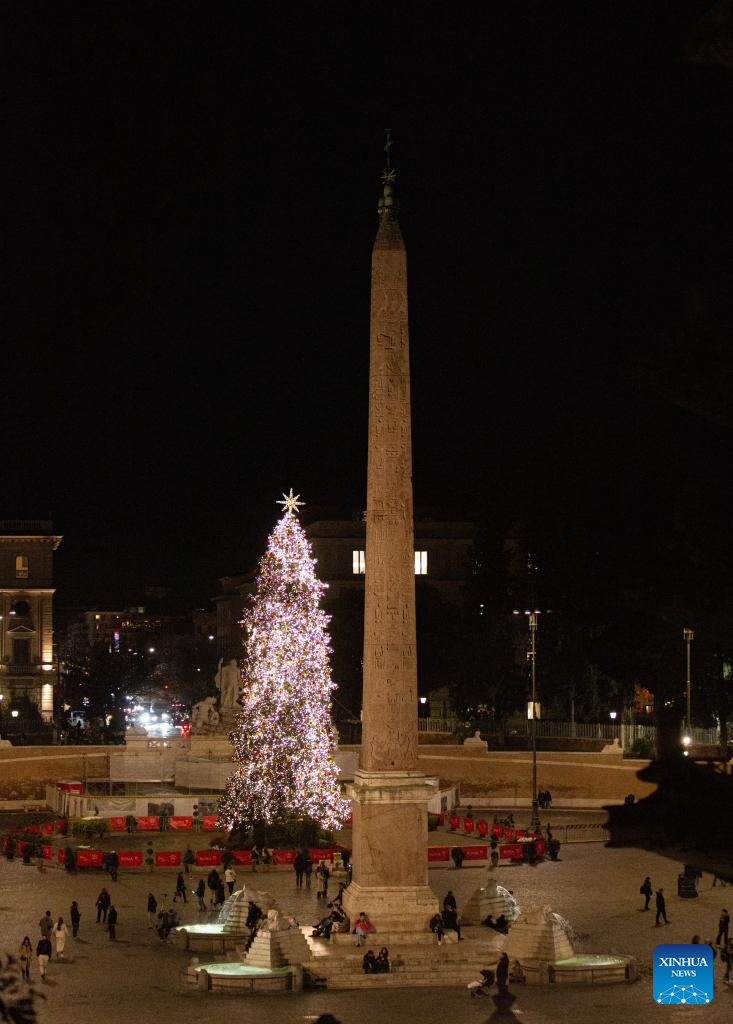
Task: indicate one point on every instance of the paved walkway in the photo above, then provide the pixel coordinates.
(595, 888)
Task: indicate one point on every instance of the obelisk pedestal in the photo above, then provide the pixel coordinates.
(389, 795)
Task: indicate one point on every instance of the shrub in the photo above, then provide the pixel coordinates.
(641, 748)
(433, 820)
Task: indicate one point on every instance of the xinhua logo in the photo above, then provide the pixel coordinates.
(683, 974)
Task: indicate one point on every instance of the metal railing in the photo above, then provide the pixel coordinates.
(625, 732)
(441, 725)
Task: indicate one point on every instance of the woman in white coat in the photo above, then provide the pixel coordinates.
(59, 937)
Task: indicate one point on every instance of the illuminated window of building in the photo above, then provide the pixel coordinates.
(358, 563)
(421, 563)
(21, 567)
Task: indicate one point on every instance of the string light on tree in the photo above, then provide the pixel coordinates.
(284, 740)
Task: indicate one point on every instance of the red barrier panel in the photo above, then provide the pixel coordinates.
(167, 859)
(148, 823)
(441, 818)
(283, 856)
(131, 858)
(60, 824)
(475, 852)
(468, 825)
(454, 821)
(117, 824)
(181, 821)
(511, 851)
(319, 855)
(539, 845)
(61, 854)
(34, 828)
(497, 830)
(438, 853)
(47, 828)
(210, 821)
(508, 834)
(89, 858)
(208, 857)
(520, 833)
(47, 852)
(483, 827)
(70, 787)
(243, 857)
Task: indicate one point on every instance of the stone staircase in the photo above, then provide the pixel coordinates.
(451, 964)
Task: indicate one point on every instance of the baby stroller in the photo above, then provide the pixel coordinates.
(483, 987)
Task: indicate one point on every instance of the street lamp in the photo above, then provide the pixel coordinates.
(612, 715)
(688, 635)
(533, 621)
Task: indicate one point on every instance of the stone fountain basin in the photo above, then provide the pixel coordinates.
(582, 969)
(239, 979)
(208, 938)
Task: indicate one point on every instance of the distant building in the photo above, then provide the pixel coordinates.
(28, 667)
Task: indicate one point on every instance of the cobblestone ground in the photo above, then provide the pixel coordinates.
(137, 977)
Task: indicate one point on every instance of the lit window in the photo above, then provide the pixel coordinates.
(358, 563)
(21, 567)
(421, 563)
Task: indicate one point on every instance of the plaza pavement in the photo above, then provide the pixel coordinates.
(136, 978)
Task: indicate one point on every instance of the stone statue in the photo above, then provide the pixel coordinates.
(228, 683)
(204, 716)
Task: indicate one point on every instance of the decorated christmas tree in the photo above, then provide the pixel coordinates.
(284, 739)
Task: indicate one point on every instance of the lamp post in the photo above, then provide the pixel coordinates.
(688, 635)
(533, 621)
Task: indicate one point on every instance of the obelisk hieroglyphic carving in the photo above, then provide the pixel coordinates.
(390, 880)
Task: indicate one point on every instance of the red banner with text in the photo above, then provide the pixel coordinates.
(118, 823)
(243, 857)
(131, 858)
(208, 857)
(438, 853)
(475, 852)
(210, 821)
(167, 858)
(148, 823)
(89, 858)
(283, 856)
(181, 821)
(511, 851)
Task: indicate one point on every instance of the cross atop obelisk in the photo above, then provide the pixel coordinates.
(390, 879)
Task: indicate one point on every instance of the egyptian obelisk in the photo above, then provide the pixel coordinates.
(389, 794)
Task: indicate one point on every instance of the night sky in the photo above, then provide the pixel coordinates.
(192, 199)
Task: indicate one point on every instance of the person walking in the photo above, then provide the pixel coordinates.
(307, 869)
(46, 925)
(113, 865)
(25, 955)
(299, 867)
(74, 916)
(103, 903)
(324, 874)
(153, 910)
(112, 922)
(180, 888)
(646, 891)
(213, 881)
(457, 855)
(43, 954)
(502, 974)
(723, 926)
(230, 877)
(60, 933)
(200, 893)
(189, 858)
(661, 907)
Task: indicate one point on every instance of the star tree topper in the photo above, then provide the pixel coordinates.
(291, 504)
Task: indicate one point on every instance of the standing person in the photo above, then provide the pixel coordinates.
(153, 910)
(112, 922)
(338, 900)
(457, 855)
(362, 928)
(200, 892)
(255, 857)
(46, 925)
(345, 855)
(726, 956)
(43, 954)
(180, 888)
(59, 937)
(307, 869)
(502, 974)
(75, 916)
(189, 858)
(130, 823)
(723, 926)
(324, 875)
(103, 903)
(449, 902)
(451, 922)
(219, 895)
(299, 867)
(114, 864)
(661, 907)
(230, 877)
(25, 955)
(213, 881)
(266, 858)
(646, 891)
